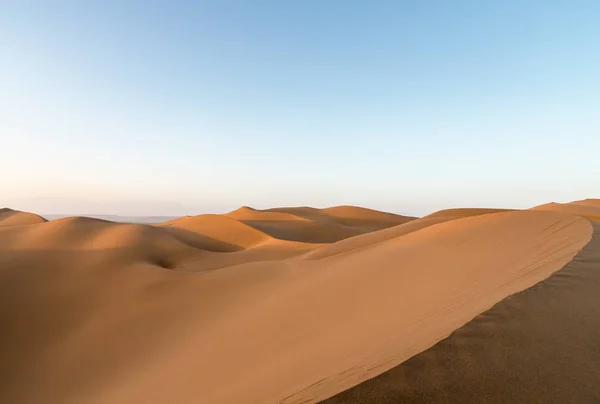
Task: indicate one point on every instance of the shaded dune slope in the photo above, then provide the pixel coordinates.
(121, 243)
(537, 346)
(305, 224)
(231, 233)
(10, 217)
(90, 314)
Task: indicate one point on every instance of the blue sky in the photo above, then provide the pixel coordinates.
(182, 107)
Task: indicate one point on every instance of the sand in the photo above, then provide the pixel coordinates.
(285, 305)
(10, 217)
(588, 208)
(537, 346)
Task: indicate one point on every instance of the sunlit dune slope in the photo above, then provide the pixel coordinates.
(248, 213)
(98, 312)
(536, 346)
(457, 213)
(120, 242)
(589, 208)
(9, 217)
(372, 238)
(588, 202)
(232, 234)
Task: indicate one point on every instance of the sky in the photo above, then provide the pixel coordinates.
(185, 107)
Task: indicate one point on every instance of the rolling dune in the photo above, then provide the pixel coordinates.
(285, 305)
(9, 217)
(233, 234)
(407, 227)
(305, 224)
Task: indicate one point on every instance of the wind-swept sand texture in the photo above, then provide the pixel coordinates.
(246, 308)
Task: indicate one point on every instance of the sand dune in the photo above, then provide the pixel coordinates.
(369, 239)
(248, 213)
(246, 227)
(246, 308)
(232, 234)
(457, 213)
(9, 217)
(537, 346)
(305, 224)
(588, 202)
(588, 208)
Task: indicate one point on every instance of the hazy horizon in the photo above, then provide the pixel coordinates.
(135, 212)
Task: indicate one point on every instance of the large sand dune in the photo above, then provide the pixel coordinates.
(537, 346)
(285, 305)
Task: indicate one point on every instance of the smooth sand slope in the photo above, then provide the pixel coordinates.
(588, 208)
(537, 346)
(248, 308)
(370, 239)
(9, 217)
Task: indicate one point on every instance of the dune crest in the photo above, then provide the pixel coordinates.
(369, 239)
(588, 208)
(457, 213)
(247, 213)
(535, 346)
(10, 217)
(220, 228)
(246, 307)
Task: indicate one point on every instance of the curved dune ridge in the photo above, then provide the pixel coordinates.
(231, 233)
(9, 217)
(464, 212)
(588, 208)
(365, 240)
(539, 346)
(284, 305)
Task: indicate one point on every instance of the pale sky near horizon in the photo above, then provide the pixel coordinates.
(184, 107)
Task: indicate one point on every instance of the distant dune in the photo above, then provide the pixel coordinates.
(118, 218)
(300, 305)
(9, 217)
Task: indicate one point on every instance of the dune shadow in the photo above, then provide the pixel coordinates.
(200, 241)
(303, 231)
